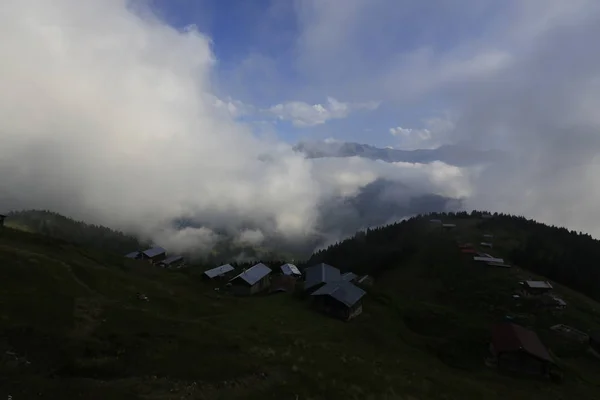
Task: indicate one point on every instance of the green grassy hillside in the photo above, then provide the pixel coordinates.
(72, 327)
(60, 227)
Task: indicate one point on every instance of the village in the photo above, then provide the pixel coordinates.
(339, 294)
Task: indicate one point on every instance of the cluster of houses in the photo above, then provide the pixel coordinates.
(331, 292)
(158, 256)
(513, 347)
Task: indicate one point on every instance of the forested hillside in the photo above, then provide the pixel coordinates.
(60, 227)
(564, 256)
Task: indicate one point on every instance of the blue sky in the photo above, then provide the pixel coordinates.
(272, 52)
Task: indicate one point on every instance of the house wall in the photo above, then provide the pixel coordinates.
(336, 309)
(241, 288)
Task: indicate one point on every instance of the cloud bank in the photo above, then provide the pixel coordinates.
(108, 115)
(519, 76)
(302, 114)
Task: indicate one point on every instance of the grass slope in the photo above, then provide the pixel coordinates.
(73, 315)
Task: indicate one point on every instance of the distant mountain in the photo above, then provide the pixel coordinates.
(458, 155)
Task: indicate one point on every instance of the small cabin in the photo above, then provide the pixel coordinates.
(153, 255)
(520, 350)
(448, 227)
(339, 299)
(252, 281)
(537, 287)
(290, 270)
(172, 262)
(320, 274)
(134, 255)
(487, 259)
(221, 272)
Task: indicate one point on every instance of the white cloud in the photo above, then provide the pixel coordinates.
(304, 115)
(110, 117)
(436, 133)
(251, 237)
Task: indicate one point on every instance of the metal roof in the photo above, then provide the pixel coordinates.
(223, 269)
(290, 269)
(171, 260)
(509, 337)
(133, 254)
(349, 276)
(154, 251)
(320, 273)
(489, 259)
(254, 274)
(538, 284)
(344, 292)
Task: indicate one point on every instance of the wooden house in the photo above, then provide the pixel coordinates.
(134, 255)
(172, 262)
(536, 287)
(448, 227)
(520, 350)
(153, 255)
(339, 299)
(320, 274)
(221, 272)
(251, 281)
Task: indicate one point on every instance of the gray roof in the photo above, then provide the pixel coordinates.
(344, 292)
(171, 260)
(290, 269)
(348, 276)
(320, 273)
(223, 269)
(133, 254)
(539, 284)
(154, 251)
(254, 274)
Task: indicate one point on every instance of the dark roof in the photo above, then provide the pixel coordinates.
(221, 270)
(154, 251)
(320, 273)
(254, 274)
(349, 276)
(509, 337)
(133, 254)
(171, 260)
(344, 292)
(2, 216)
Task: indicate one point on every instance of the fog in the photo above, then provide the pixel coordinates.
(109, 115)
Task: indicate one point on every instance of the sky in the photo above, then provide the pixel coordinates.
(131, 113)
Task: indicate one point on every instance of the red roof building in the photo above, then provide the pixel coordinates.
(519, 349)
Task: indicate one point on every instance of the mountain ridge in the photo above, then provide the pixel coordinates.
(458, 155)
